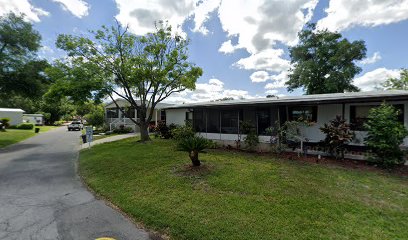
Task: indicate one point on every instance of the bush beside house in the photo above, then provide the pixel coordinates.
(385, 134)
(338, 135)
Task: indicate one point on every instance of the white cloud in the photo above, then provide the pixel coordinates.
(259, 76)
(269, 59)
(370, 60)
(279, 80)
(227, 47)
(46, 52)
(78, 8)
(372, 80)
(259, 24)
(46, 49)
(141, 15)
(22, 6)
(210, 91)
(272, 92)
(201, 14)
(344, 14)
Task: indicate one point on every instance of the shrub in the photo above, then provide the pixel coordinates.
(96, 117)
(338, 134)
(122, 130)
(163, 130)
(182, 132)
(276, 134)
(385, 134)
(193, 145)
(5, 122)
(58, 123)
(251, 139)
(27, 126)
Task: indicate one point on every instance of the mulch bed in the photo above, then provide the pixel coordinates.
(324, 160)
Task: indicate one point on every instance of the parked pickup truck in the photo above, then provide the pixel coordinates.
(76, 125)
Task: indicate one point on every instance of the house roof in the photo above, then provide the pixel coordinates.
(33, 115)
(307, 99)
(158, 106)
(11, 110)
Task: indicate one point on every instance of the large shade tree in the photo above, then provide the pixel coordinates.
(400, 83)
(324, 62)
(143, 70)
(21, 72)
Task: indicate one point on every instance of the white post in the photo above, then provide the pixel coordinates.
(156, 118)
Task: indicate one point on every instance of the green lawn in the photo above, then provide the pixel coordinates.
(244, 196)
(11, 136)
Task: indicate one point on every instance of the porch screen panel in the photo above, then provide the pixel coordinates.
(112, 113)
(229, 121)
(213, 121)
(264, 120)
(274, 115)
(249, 115)
(199, 120)
(283, 115)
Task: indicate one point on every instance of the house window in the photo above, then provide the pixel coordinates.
(303, 113)
(163, 115)
(359, 115)
(112, 113)
(229, 121)
(188, 118)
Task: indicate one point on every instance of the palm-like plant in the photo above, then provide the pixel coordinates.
(193, 145)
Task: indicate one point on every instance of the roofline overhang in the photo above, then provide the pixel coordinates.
(292, 102)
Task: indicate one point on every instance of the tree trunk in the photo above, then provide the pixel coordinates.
(144, 124)
(144, 133)
(194, 158)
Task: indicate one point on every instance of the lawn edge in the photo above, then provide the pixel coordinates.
(154, 235)
(8, 146)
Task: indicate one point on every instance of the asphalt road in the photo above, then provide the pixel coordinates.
(41, 196)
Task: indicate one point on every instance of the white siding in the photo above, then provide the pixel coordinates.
(176, 116)
(15, 117)
(325, 113)
(37, 120)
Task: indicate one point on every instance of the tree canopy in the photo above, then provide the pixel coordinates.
(143, 70)
(324, 62)
(21, 72)
(400, 83)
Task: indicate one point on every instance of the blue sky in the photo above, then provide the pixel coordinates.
(241, 45)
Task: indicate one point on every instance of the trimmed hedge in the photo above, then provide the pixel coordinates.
(25, 126)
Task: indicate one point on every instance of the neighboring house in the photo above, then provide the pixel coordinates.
(36, 119)
(220, 120)
(14, 114)
(115, 118)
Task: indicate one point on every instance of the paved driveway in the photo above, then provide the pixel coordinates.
(41, 197)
